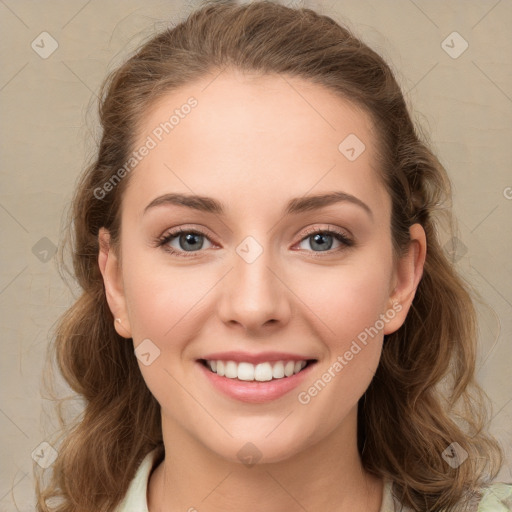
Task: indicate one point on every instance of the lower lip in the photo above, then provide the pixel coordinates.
(254, 391)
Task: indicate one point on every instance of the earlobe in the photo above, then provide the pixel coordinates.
(408, 275)
(112, 280)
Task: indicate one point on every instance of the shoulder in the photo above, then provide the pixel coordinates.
(136, 496)
(496, 497)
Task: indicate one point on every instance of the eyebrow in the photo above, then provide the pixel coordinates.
(294, 206)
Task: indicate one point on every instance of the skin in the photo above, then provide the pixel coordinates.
(254, 143)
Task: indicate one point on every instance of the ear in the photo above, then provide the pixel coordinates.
(407, 277)
(112, 278)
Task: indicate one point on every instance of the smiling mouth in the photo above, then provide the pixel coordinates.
(262, 372)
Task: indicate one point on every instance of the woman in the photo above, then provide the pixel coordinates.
(267, 315)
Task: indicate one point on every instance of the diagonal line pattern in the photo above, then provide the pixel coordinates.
(493, 287)
(14, 424)
(12, 488)
(216, 487)
(492, 81)
(76, 14)
(14, 218)
(13, 13)
(14, 76)
(421, 79)
(293, 410)
(282, 76)
(492, 211)
(80, 80)
(286, 491)
(494, 345)
(13, 279)
(501, 409)
(485, 15)
(213, 79)
(424, 14)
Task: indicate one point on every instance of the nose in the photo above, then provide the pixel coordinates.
(254, 297)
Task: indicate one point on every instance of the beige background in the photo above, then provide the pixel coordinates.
(48, 119)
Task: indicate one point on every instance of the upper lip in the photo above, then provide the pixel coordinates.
(262, 357)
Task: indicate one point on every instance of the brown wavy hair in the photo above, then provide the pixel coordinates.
(424, 395)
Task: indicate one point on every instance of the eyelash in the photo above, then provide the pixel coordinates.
(164, 240)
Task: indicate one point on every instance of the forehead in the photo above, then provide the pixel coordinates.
(270, 136)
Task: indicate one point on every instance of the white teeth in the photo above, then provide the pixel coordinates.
(231, 370)
(245, 371)
(278, 370)
(261, 372)
(288, 368)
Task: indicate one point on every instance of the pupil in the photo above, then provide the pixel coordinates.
(190, 239)
(319, 237)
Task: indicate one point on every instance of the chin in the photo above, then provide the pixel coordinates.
(254, 447)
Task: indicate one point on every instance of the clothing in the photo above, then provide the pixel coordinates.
(496, 498)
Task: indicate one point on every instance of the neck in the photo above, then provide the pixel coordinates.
(192, 477)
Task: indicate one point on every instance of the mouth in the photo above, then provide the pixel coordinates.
(267, 371)
(258, 382)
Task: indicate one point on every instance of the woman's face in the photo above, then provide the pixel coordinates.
(286, 256)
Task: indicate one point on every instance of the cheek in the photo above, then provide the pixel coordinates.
(161, 300)
(165, 302)
(347, 299)
(353, 307)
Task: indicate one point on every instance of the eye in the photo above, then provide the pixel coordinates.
(322, 240)
(182, 241)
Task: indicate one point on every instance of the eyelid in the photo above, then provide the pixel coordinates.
(162, 241)
(186, 228)
(326, 228)
(343, 236)
(347, 239)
